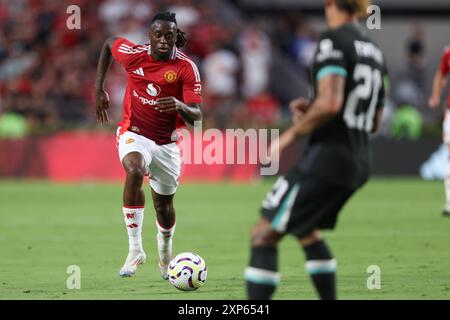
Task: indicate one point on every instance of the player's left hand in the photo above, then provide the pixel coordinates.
(168, 104)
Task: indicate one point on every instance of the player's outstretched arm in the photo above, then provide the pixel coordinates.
(308, 116)
(101, 97)
(190, 112)
(327, 104)
(439, 82)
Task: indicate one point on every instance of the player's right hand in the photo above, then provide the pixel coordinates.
(102, 105)
(298, 108)
(434, 102)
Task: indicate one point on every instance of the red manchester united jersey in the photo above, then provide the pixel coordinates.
(149, 80)
(445, 66)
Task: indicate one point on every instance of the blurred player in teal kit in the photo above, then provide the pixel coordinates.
(346, 106)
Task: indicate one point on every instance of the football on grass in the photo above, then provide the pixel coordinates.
(187, 271)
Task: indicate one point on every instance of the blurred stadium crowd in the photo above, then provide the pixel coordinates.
(47, 71)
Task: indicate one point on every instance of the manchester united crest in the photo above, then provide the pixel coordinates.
(170, 76)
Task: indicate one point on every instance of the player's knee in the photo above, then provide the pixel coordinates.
(263, 235)
(310, 238)
(134, 172)
(164, 208)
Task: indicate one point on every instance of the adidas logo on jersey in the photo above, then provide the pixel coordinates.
(139, 71)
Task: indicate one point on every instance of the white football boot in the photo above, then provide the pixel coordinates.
(163, 270)
(133, 261)
(165, 255)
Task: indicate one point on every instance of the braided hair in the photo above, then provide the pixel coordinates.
(170, 16)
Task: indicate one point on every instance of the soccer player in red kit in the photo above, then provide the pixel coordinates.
(163, 92)
(440, 80)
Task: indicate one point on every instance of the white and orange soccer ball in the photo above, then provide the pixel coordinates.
(187, 271)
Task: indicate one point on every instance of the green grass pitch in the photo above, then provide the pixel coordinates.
(395, 224)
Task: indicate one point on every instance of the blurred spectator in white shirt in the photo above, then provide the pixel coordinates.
(256, 53)
(220, 69)
(187, 14)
